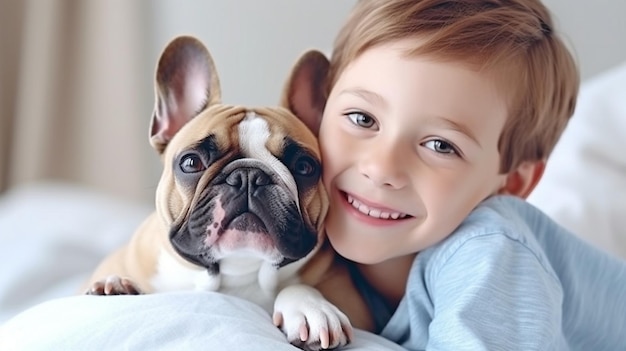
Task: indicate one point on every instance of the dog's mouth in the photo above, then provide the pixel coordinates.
(221, 227)
(246, 231)
(247, 222)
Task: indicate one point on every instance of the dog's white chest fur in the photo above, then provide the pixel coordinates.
(247, 277)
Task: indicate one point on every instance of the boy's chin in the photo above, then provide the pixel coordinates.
(356, 250)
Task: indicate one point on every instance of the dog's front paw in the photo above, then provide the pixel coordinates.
(309, 321)
(113, 285)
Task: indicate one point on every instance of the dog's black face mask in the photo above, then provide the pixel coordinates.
(251, 201)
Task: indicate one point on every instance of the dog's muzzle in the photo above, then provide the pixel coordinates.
(246, 207)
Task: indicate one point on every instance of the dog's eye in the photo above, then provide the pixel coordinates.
(192, 163)
(305, 166)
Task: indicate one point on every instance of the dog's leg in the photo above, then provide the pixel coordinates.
(309, 321)
(113, 285)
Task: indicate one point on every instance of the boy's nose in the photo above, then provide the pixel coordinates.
(385, 166)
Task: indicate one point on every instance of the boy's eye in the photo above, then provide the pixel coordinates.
(441, 146)
(361, 119)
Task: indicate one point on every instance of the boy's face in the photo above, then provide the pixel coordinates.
(410, 147)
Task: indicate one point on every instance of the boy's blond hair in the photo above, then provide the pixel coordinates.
(512, 39)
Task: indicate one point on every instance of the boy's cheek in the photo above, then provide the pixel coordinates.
(329, 171)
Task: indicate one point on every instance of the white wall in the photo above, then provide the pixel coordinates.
(596, 29)
(255, 42)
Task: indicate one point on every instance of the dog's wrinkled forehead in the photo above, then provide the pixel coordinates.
(254, 138)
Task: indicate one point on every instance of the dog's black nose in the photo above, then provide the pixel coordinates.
(251, 178)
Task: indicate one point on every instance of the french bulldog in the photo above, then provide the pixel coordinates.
(240, 204)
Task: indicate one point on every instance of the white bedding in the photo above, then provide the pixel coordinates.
(52, 236)
(584, 186)
(169, 321)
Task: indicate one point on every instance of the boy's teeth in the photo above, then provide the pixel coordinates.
(374, 212)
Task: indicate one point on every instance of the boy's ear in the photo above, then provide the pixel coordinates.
(521, 181)
(304, 93)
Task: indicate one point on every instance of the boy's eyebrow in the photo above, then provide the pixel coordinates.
(461, 128)
(366, 95)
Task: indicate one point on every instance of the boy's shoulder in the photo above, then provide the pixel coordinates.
(478, 275)
(498, 226)
(501, 215)
(510, 215)
(507, 251)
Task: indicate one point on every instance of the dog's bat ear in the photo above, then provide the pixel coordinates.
(186, 83)
(305, 90)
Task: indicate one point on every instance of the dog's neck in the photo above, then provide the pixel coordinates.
(251, 278)
(239, 271)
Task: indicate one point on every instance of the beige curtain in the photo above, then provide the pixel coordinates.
(76, 95)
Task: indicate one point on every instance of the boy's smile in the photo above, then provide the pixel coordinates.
(410, 147)
(373, 214)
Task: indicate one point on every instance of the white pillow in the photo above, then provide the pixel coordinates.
(584, 186)
(167, 321)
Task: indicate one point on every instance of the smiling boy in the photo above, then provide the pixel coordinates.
(439, 119)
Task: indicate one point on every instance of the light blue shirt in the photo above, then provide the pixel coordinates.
(509, 278)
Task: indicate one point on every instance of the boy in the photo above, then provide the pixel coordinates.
(438, 121)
